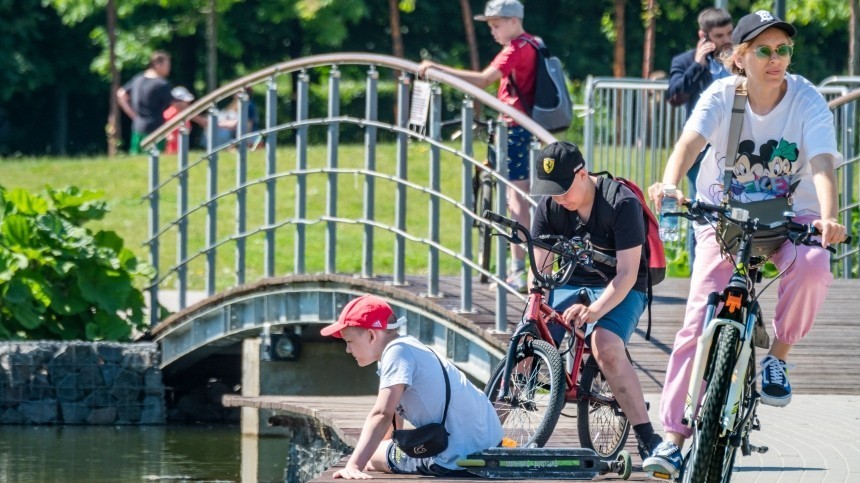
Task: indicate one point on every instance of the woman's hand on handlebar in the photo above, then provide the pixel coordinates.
(655, 194)
(831, 231)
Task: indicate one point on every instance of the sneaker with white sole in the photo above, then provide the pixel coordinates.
(664, 462)
(775, 388)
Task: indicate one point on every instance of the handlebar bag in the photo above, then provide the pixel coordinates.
(765, 242)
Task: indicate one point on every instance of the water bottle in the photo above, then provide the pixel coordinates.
(669, 224)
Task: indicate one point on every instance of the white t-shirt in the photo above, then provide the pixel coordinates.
(774, 149)
(472, 423)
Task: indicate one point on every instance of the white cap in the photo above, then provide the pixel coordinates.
(180, 93)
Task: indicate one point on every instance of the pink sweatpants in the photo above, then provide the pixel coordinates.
(800, 294)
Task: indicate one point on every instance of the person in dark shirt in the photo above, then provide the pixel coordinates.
(145, 98)
(692, 72)
(575, 203)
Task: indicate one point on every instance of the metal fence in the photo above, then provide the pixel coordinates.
(209, 219)
(213, 218)
(630, 131)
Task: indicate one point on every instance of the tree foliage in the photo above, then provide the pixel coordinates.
(58, 279)
(65, 42)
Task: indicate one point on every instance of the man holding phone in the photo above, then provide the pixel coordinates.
(692, 72)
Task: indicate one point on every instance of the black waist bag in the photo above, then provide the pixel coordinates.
(428, 440)
(424, 442)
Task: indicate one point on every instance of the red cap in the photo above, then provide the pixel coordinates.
(367, 311)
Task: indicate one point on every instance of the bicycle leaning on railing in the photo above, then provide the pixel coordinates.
(530, 385)
(483, 187)
(725, 353)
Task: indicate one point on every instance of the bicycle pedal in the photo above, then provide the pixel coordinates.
(656, 475)
(758, 449)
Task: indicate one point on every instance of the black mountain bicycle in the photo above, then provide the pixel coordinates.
(725, 356)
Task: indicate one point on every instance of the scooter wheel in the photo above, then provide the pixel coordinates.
(625, 465)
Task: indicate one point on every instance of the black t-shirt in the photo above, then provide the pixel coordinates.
(616, 223)
(150, 97)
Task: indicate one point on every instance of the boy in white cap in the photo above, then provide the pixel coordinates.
(411, 387)
(515, 68)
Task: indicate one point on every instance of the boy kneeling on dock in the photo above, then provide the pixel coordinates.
(412, 387)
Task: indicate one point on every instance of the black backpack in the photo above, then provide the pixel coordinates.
(552, 108)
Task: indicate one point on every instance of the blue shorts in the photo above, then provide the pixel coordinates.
(400, 463)
(621, 320)
(519, 142)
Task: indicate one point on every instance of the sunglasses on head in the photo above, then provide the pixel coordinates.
(765, 52)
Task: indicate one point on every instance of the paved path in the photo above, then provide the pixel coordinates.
(815, 439)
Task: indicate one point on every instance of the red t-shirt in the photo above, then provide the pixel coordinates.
(517, 59)
(173, 138)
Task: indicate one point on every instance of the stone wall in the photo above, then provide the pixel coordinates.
(80, 383)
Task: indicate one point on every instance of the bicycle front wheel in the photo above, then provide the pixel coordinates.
(706, 459)
(601, 423)
(535, 397)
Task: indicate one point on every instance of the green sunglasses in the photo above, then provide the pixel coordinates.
(765, 52)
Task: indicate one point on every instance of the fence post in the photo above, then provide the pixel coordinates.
(211, 201)
(332, 145)
(153, 233)
(370, 113)
(271, 170)
(301, 178)
(501, 207)
(241, 192)
(401, 173)
(181, 215)
(467, 113)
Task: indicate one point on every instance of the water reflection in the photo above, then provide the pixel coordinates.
(126, 453)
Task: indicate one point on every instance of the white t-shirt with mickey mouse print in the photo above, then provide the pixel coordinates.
(774, 149)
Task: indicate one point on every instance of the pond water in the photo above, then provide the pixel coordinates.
(148, 453)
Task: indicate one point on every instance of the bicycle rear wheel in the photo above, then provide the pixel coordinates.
(484, 202)
(602, 425)
(706, 459)
(535, 394)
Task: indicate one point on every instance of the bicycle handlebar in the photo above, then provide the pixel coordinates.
(577, 253)
(798, 233)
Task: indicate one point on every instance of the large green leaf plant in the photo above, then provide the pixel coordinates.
(58, 279)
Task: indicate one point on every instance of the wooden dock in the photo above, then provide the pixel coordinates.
(826, 360)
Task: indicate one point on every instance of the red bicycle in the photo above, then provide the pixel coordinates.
(541, 373)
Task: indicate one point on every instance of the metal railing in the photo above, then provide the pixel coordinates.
(630, 130)
(201, 226)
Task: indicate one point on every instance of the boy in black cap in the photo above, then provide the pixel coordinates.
(575, 203)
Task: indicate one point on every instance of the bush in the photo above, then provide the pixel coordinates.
(59, 280)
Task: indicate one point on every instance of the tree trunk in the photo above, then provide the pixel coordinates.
(471, 38)
(396, 35)
(854, 39)
(648, 53)
(114, 127)
(211, 48)
(618, 69)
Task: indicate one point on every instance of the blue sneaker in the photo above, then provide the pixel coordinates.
(664, 462)
(775, 388)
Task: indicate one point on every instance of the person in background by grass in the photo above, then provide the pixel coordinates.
(182, 98)
(145, 98)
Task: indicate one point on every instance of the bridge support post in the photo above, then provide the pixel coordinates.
(301, 178)
(501, 207)
(467, 113)
(370, 112)
(400, 193)
(435, 185)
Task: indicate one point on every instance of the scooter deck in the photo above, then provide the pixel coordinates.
(535, 463)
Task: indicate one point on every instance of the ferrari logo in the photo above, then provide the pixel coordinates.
(548, 164)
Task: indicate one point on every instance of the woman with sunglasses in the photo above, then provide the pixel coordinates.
(786, 148)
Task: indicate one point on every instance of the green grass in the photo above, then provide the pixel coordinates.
(124, 181)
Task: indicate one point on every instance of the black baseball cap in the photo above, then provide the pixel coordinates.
(555, 168)
(751, 25)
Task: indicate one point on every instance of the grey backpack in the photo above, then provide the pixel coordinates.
(552, 108)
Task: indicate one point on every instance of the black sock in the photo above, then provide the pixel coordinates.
(644, 431)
